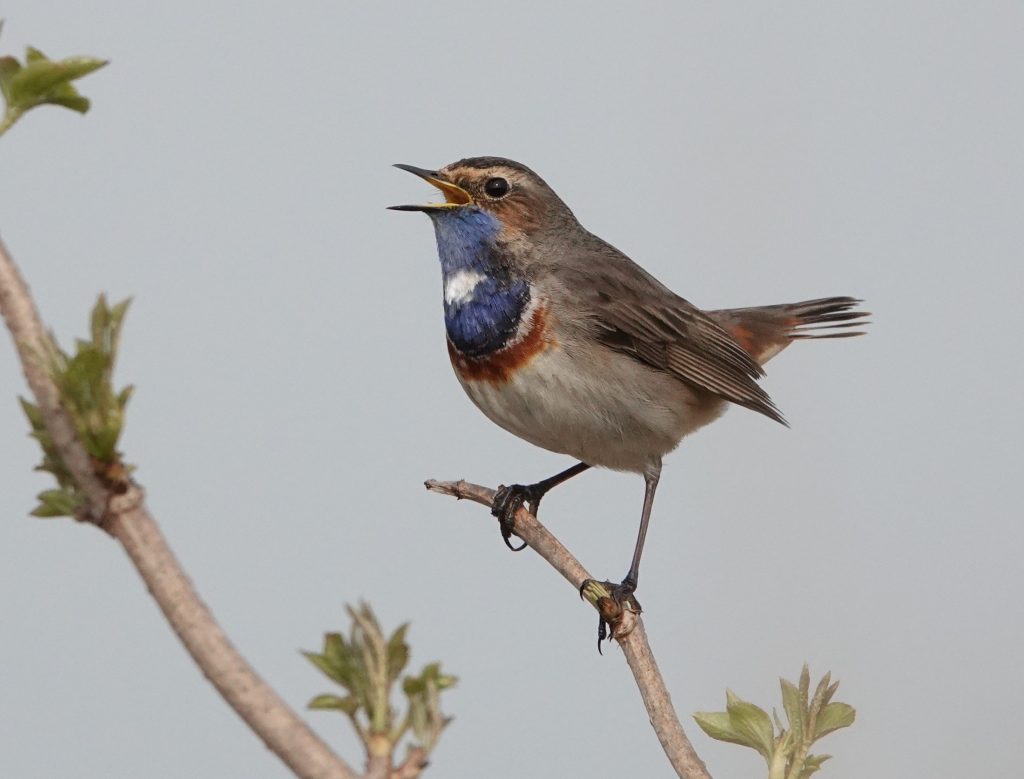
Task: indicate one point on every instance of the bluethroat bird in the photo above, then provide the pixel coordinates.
(564, 341)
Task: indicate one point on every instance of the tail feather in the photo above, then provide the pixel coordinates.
(764, 331)
(807, 318)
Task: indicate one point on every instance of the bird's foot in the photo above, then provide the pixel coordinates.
(612, 601)
(507, 501)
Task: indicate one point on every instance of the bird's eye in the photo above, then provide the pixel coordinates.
(496, 187)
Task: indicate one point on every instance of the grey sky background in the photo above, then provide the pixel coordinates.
(293, 389)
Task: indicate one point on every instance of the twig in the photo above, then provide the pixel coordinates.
(630, 634)
(527, 528)
(128, 520)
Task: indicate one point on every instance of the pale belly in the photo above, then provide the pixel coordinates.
(601, 407)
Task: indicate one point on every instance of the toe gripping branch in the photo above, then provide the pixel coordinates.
(507, 501)
(615, 603)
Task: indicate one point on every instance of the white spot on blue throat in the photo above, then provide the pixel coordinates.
(459, 286)
(483, 298)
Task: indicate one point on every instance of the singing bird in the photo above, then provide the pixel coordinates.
(564, 341)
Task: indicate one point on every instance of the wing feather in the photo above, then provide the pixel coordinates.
(633, 313)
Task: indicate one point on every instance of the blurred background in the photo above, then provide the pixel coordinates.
(293, 390)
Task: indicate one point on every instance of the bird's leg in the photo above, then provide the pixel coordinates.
(627, 587)
(507, 500)
(610, 609)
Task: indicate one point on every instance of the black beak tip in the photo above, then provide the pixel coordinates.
(421, 172)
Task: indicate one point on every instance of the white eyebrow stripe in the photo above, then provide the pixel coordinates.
(458, 288)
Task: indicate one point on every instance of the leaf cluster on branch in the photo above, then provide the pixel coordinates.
(85, 383)
(368, 665)
(786, 749)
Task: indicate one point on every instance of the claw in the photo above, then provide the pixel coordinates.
(610, 607)
(507, 501)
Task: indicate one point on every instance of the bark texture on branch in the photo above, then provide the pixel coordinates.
(629, 634)
(277, 725)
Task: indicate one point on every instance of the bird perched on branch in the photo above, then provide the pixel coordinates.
(561, 339)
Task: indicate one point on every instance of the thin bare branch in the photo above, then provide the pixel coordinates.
(277, 725)
(527, 528)
(127, 519)
(629, 634)
(658, 703)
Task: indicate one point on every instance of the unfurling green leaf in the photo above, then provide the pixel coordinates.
(820, 692)
(812, 764)
(35, 418)
(398, 652)
(793, 707)
(56, 503)
(718, 725)
(426, 719)
(328, 668)
(753, 725)
(830, 691)
(833, 717)
(348, 704)
(741, 723)
(41, 78)
(8, 68)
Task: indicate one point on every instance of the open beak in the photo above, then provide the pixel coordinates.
(454, 196)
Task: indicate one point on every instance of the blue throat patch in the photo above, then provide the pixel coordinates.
(485, 318)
